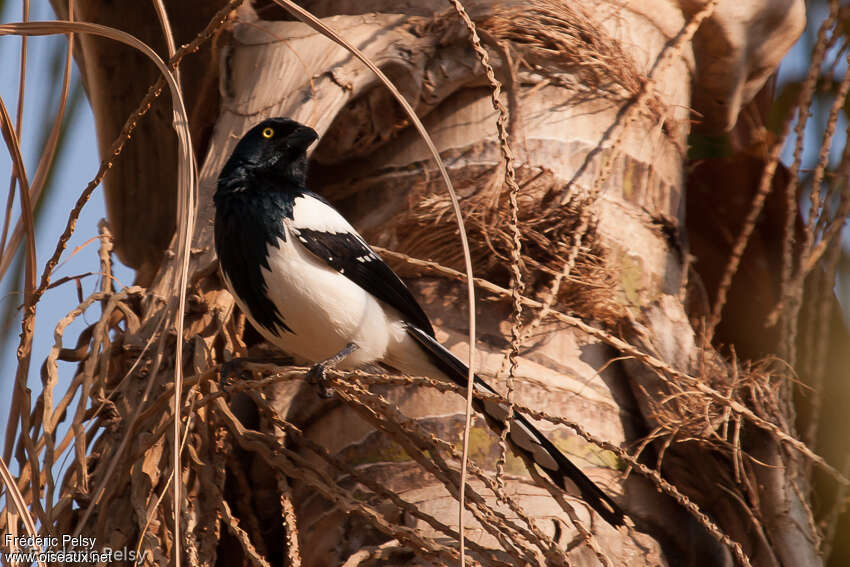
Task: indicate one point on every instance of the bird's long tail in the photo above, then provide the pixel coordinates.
(523, 435)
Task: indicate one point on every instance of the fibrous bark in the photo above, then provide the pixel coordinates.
(600, 159)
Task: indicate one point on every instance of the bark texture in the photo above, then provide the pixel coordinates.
(599, 98)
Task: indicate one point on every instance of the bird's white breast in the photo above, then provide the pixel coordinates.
(324, 309)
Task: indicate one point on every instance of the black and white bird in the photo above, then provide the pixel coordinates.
(312, 286)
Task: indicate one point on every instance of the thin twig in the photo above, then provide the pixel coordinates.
(516, 255)
(309, 19)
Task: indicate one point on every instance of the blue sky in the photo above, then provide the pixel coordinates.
(76, 166)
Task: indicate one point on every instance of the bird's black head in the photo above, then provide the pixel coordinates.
(274, 149)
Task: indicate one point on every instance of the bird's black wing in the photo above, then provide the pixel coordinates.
(323, 231)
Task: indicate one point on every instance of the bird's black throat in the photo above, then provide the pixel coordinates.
(256, 191)
(281, 176)
(247, 223)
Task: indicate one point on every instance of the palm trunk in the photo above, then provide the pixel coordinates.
(598, 99)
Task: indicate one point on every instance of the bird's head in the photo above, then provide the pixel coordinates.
(274, 148)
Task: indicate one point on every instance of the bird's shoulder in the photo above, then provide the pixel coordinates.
(311, 211)
(323, 231)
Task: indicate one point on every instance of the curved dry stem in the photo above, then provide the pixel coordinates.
(315, 23)
(19, 407)
(44, 165)
(664, 371)
(14, 493)
(185, 182)
(516, 259)
(164, 22)
(19, 125)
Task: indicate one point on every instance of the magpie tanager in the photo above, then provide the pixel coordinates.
(312, 286)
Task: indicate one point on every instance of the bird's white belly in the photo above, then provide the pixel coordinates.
(324, 309)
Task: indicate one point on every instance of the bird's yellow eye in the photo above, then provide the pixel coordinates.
(268, 132)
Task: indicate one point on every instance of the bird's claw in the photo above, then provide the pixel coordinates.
(317, 375)
(229, 371)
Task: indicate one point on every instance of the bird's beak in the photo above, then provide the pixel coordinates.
(302, 137)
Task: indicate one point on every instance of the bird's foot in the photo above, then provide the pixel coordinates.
(229, 372)
(317, 374)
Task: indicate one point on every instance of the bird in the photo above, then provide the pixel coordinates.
(312, 286)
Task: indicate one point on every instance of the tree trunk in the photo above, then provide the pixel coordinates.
(599, 99)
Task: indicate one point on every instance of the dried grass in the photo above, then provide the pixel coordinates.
(126, 356)
(546, 224)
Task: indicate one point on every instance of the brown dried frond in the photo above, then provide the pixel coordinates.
(689, 415)
(546, 224)
(528, 43)
(557, 40)
(560, 41)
